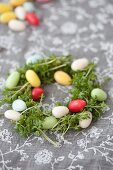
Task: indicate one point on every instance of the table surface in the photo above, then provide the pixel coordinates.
(84, 29)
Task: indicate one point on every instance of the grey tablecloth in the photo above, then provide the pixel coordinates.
(85, 29)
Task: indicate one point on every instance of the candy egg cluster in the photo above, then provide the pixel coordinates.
(16, 12)
(75, 106)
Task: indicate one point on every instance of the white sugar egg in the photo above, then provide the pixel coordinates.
(20, 13)
(79, 64)
(19, 105)
(84, 123)
(60, 111)
(16, 25)
(12, 115)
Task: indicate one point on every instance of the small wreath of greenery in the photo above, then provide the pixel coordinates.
(33, 117)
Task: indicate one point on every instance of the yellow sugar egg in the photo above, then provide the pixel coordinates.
(62, 78)
(33, 78)
(4, 7)
(16, 3)
(7, 16)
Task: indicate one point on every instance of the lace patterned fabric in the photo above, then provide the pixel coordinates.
(84, 29)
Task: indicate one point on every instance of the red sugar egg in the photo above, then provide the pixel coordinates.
(36, 93)
(33, 19)
(77, 105)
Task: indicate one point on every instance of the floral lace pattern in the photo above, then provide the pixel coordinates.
(84, 29)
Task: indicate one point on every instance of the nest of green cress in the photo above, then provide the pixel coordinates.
(24, 91)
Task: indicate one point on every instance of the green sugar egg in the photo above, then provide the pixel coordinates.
(12, 80)
(49, 122)
(98, 94)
